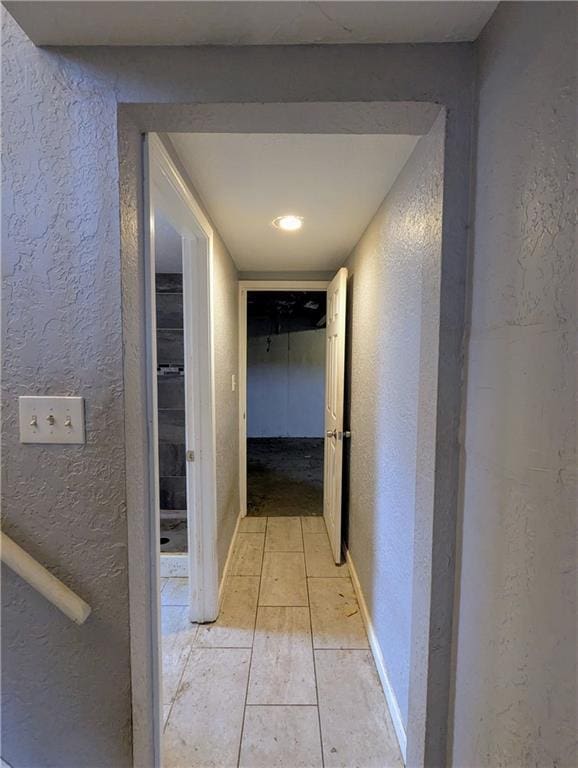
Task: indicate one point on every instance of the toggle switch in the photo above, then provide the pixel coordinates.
(51, 419)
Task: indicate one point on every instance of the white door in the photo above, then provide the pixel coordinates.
(334, 385)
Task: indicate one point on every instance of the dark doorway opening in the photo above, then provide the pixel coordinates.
(285, 402)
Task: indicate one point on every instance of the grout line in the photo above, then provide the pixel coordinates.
(252, 646)
(174, 698)
(311, 706)
(314, 664)
(284, 551)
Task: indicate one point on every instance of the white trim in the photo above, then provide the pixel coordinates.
(170, 194)
(388, 691)
(229, 559)
(257, 285)
(153, 465)
(165, 190)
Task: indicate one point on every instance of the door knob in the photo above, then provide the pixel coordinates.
(331, 433)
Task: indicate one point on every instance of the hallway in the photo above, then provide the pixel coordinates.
(284, 678)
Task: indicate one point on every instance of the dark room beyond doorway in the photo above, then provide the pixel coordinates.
(285, 401)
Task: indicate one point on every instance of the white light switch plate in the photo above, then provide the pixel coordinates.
(51, 419)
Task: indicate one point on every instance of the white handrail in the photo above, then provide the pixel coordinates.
(43, 581)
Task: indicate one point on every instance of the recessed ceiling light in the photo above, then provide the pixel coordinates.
(288, 223)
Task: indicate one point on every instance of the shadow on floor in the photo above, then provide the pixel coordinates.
(284, 476)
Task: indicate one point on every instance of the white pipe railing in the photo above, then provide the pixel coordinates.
(43, 581)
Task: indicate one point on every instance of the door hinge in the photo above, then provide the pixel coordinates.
(190, 455)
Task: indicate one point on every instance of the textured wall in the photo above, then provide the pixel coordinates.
(286, 385)
(66, 689)
(67, 696)
(515, 702)
(400, 248)
(226, 350)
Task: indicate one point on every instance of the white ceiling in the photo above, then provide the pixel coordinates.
(222, 22)
(336, 182)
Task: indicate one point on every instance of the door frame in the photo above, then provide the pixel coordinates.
(439, 112)
(169, 192)
(244, 287)
(166, 190)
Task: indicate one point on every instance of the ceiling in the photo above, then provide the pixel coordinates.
(335, 182)
(274, 312)
(222, 22)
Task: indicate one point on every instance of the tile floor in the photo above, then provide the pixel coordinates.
(284, 678)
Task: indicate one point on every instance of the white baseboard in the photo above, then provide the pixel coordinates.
(174, 564)
(229, 557)
(390, 696)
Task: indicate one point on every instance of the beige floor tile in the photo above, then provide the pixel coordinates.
(247, 555)
(166, 712)
(281, 737)
(204, 727)
(319, 560)
(335, 615)
(175, 591)
(177, 638)
(236, 622)
(282, 670)
(283, 579)
(313, 524)
(355, 721)
(284, 535)
(253, 525)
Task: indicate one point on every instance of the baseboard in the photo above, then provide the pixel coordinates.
(229, 557)
(174, 565)
(390, 696)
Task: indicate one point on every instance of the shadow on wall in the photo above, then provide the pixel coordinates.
(347, 413)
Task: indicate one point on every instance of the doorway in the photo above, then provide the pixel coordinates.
(281, 397)
(232, 388)
(285, 402)
(180, 383)
(171, 413)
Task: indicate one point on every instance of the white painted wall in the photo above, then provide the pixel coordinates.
(285, 385)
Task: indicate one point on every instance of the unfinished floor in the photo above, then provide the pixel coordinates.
(285, 677)
(284, 476)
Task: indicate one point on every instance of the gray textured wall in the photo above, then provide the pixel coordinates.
(515, 702)
(67, 690)
(400, 250)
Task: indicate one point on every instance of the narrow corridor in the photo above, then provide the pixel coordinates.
(285, 677)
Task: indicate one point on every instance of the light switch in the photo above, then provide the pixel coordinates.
(51, 419)
(233, 383)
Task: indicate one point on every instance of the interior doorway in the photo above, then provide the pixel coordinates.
(180, 384)
(285, 402)
(245, 555)
(171, 405)
(281, 397)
